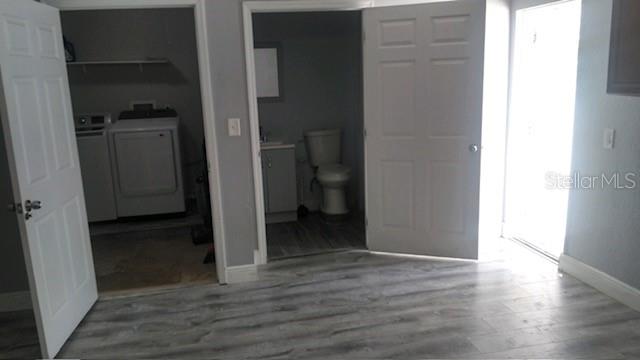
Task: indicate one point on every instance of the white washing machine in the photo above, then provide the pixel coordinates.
(95, 165)
(146, 163)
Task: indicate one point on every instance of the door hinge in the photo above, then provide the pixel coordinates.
(16, 208)
(364, 36)
(364, 132)
(366, 222)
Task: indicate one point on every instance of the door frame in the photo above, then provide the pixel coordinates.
(248, 9)
(206, 93)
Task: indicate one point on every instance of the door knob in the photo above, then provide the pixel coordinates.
(474, 148)
(32, 205)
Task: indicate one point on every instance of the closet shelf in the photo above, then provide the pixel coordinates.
(140, 63)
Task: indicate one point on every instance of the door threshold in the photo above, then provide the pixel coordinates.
(152, 290)
(314, 253)
(535, 249)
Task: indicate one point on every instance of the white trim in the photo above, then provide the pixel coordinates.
(206, 90)
(15, 301)
(211, 139)
(607, 284)
(242, 273)
(304, 5)
(71, 5)
(248, 8)
(530, 4)
(386, 3)
(254, 132)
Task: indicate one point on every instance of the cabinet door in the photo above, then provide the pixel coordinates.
(281, 180)
(265, 180)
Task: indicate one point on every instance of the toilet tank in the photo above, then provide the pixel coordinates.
(323, 146)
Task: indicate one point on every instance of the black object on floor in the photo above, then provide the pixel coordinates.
(210, 257)
(201, 234)
(302, 211)
(204, 233)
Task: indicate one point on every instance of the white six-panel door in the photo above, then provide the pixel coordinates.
(423, 67)
(38, 124)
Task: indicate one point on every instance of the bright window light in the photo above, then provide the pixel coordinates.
(541, 115)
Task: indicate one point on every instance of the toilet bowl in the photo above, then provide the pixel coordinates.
(333, 178)
(324, 150)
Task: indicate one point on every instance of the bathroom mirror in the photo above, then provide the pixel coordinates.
(268, 63)
(624, 54)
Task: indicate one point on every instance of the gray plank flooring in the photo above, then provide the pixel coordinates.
(312, 235)
(355, 304)
(18, 335)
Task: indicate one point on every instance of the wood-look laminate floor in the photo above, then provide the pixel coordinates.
(18, 335)
(355, 304)
(312, 235)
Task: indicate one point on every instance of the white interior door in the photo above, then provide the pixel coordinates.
(43, 157)
(423, 71)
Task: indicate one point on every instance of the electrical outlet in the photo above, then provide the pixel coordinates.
(233, 126)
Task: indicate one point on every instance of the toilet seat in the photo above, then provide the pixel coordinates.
(333, 172)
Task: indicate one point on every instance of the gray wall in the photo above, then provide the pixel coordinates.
(13, 274)
(603, 228)
(139, 34)
(322, 88)
(226, 43)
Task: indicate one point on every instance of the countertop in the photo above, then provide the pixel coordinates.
(276, 146)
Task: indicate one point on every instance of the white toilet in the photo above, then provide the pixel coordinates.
(323, 148)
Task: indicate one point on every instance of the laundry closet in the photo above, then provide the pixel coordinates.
(137, 109)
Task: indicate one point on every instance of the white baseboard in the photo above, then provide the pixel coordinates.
(242, 273)
(610, 286)
(15, 301)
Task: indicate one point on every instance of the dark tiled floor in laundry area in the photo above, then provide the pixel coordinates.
(358, 305)
(147, 259)
(145, 223)
(312, 235)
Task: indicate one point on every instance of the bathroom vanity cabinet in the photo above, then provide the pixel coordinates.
(279, 183)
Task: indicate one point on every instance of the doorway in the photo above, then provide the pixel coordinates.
(50, 206)
(309, 92)
(402, 207)
(18, 331)
(135, 89)
(540, 127)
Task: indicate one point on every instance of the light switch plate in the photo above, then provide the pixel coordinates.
(608, 138)
(234, 126)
